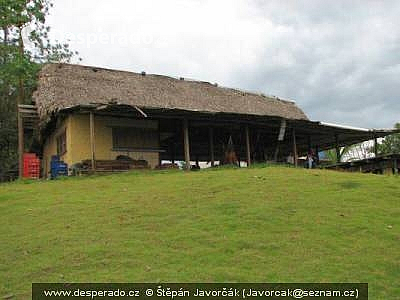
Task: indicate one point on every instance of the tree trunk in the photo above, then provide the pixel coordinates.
(21, 91)
(5, 30)
(20, 100)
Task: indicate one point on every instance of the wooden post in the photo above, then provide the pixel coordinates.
(375, 146)
(317, 154)
(337, 148)
(395, 167)
(173, 153)
(173, 145)
(276, 152)
(281, 137)
(92, 141)
(159, 136)
(20, 144)
(295, 158)
(211, 136)
(248, 146)
(186, 143)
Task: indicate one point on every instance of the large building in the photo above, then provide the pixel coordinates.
(95, 114)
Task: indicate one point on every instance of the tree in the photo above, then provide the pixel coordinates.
(391, 143)
(21, 22)
(332, 156)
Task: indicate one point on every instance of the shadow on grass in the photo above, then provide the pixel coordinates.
(349, 185)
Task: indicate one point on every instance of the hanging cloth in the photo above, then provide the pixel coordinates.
(230, 155)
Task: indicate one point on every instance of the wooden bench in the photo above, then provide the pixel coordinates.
(105, 166)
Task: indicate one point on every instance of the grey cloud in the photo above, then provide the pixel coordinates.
(339, 60)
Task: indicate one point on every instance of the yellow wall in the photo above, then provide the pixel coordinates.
(79, 139)
(77, 128)
(50, 145)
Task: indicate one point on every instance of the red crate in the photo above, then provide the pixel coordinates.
(31, 167)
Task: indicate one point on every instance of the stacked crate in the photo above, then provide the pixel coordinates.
(58, 167)
(31, 166)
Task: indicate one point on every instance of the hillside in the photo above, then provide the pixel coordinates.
(269, 224)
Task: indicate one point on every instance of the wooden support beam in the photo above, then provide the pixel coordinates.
(211, 136)
(248, 146)
(277, 151)
(256, 145)
(337, 148)
(186, 143)
(159, 142)
(281, 137)
(172, 147)
(375, 146)
(140, 111)
(295, 157)
(92, 141)
(20, 145)
(173, 143)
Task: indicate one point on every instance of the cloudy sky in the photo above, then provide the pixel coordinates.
(339, 60)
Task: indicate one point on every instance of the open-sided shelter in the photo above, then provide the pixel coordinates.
(90, 113)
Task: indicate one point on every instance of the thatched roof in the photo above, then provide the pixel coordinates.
(64, 86)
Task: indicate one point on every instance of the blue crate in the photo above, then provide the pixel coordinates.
(58, 168)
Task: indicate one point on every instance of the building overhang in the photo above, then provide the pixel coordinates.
(309, 133)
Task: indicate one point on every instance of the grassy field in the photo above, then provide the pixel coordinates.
(270, 224)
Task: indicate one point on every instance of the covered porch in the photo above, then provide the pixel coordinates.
(194, 137)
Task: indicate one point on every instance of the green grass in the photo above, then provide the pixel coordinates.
(269, 224)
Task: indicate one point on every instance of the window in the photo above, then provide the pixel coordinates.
(62, 143)
(134, 138)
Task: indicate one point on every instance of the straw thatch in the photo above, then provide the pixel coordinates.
(63, 85)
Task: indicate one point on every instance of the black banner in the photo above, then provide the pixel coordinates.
(200, 291)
